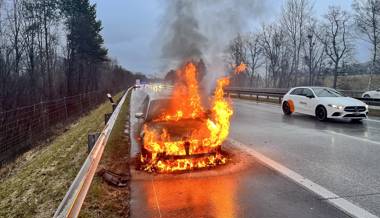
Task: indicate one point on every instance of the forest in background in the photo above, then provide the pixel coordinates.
(53, 48)
(301, 48)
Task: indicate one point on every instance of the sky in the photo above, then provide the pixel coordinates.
(131, 29)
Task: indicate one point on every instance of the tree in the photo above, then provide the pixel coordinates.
(336, 38)
(314, 52)
(85, 45)
(254, 52)
(367, 18)
(238, 54)
(276, 51)
(294, 16)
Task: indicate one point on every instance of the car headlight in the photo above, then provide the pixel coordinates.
(339, 107)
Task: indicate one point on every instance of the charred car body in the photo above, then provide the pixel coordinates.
(177, 132)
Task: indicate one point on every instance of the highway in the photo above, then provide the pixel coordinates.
(246, 187)
(342, 157)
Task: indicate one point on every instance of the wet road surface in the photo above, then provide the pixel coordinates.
(244, 188)
(340, 156)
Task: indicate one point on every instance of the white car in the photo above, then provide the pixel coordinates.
(372, 94)
(324, 103)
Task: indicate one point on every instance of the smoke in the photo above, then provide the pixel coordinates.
(195, 29)
(183, 39)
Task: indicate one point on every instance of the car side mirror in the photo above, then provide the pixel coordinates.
(378, 90)
(310, 96)
(139, 115)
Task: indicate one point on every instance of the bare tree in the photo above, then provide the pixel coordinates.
(367, 18)
(238, 54)
(294, 16)
(254, 53)
(336, 38)
(314, 54)
(275, 50)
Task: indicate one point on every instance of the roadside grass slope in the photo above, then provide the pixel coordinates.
(35, 183)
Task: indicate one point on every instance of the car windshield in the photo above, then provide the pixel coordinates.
(157, 108)
(325, 92)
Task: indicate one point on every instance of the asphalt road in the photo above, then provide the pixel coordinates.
(242, 188)
(341, 156)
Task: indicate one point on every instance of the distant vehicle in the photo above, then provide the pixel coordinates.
(372, 94)
(324, 103)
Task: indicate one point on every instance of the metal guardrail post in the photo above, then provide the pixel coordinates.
(74, 198)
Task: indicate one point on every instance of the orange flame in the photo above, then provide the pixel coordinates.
(240, 68)
(205, 130)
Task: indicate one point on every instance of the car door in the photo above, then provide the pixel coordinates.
(295, 96)
(308, 101)
(302, 101)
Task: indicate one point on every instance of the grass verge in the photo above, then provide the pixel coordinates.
(36, 182)
(104, 200)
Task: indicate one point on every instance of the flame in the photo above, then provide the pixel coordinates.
(240, 68)
(200, 147)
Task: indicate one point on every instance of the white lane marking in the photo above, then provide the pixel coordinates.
(372, 120)
(353, 137)
(155, 195)
(330, 197)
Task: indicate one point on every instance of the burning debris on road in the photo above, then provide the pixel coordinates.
(186, 135)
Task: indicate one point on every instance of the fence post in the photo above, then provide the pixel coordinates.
(66, 112)
(81, 106)
(31, 123)
(43, 117)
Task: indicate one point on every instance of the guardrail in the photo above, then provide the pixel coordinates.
(74, 198)
(279, 93)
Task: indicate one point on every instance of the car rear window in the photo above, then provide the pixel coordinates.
(157, 108)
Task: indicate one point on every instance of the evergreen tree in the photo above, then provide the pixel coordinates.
(85, 45)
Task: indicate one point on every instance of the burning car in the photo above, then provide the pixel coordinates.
(177, 132)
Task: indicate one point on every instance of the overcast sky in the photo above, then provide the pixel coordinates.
(131, 27)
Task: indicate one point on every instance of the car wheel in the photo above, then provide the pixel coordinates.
(366, 96)
(321, 113)
(286, 108)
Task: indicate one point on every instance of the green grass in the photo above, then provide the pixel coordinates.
(35, 183)
(104, 200)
